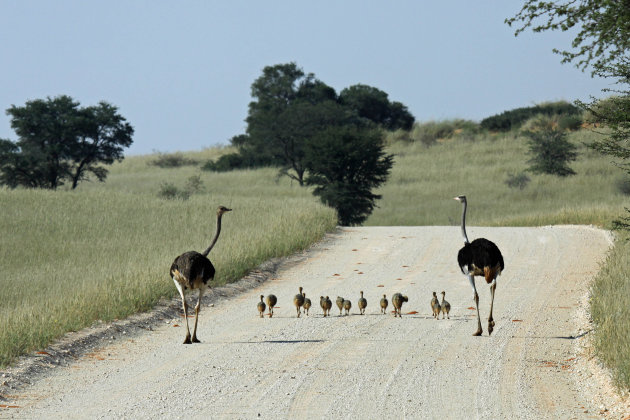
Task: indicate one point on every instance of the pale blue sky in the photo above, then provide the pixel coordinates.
(181, 71)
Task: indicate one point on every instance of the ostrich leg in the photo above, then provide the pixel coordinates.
(197, 308)
(185, 305)
(476, 297)
(493, 287)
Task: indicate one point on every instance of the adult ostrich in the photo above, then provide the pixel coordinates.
(193, 270)
(480, 257)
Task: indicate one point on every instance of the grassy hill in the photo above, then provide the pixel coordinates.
(103, 251)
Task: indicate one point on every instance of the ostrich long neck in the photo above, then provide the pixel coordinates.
(216, 236)
(464, 223)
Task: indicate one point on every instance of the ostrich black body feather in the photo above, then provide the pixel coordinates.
(478, 254)
(193, 268)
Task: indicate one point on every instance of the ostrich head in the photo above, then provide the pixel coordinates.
(460, 198)
(222, 210)
(443, 293)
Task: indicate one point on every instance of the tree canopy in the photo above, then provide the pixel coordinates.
(549, 148)
(345, 163)
(58, 141)
(290, 107)
(373, 104)
(602, 43)
(602, 38)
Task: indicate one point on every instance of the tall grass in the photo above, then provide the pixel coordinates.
(424, 180)
(610, 309)
(103, 252)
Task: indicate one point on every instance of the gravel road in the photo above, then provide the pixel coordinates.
(371, 366)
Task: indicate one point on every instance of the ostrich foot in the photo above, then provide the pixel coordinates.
(187, 339)
(195, 340)
(490, 326)
(478, 332)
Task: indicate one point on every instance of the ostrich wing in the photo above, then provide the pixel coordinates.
(193, 267)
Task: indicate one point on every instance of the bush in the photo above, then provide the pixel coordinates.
(514, 118)
(517, 180)
(172, 160)
(225, 163)
(194, 184)
(429, 133)
(570, 122)
(169, 191)
(550, 150)
(244, 159)
(623, 185)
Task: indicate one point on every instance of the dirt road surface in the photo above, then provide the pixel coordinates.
(370, 366)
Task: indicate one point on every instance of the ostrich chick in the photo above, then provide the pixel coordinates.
(327, 306)
(445, 306)
(307, 304)
(322, 304)
(384, 304)
(347, 305)
(362, 304)
(398, 300)
(298, 301)
(339, 303)
(271, 302)
(261, 306)
(435, 306)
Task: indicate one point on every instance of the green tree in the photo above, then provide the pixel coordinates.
(345, 164)
(373, 104)
(602, 38)
(290, 107)
(602, 42)
(47, 130)
(103, 133)
(550, 150)
(58, 141)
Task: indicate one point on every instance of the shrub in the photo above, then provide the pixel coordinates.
(225, 163)
(570, 122)
(172, 160)
(517, 180)
(429, 133)
(514, 118)
(623, 185)
(550, 150)
(194, 184)
(169, 191)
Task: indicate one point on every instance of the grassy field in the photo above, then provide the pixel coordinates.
(424, 180)
(103, 251)
(610, 309)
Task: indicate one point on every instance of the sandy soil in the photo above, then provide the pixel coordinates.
(374, 366)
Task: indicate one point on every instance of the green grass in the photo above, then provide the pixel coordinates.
(610, 309)
(103, 251)
(424, 181)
